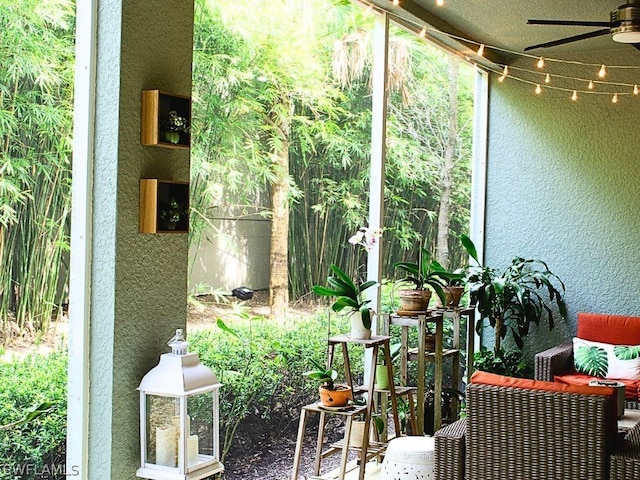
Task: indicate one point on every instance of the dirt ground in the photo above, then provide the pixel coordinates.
(261, 451)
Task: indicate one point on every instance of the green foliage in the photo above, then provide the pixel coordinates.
(502, 362)
(326, 376)
(627, 352)
(261, 363)
(39, 442)
(36, 87)
(592, 360)
(511, 299)
(348, 294)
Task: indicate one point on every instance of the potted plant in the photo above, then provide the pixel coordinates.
(454, 281)
(510, 300)
(348, 293)
(424, 277)
(173, 125)
(382, 375)
(331, 394)
(357, 427)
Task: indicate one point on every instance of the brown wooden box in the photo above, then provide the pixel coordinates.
(156, 106)
(164, 206)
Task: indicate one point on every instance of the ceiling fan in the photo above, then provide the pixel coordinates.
(623, 25)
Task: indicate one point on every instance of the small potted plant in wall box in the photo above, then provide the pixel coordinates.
(331, 394)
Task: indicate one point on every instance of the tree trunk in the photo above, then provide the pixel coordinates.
(442, 245)
(278, 255)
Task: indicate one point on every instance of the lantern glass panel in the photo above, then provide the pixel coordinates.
(163, 427)
(203, 434)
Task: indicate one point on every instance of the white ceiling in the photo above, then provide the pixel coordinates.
(503, 23)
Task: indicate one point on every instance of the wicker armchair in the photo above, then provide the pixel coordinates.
(519, 433)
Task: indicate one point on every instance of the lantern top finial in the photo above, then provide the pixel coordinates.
(178, 344)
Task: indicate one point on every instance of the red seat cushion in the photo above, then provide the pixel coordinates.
(630, 390)
(613, 329)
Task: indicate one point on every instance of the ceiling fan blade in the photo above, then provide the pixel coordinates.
(575, 38)
(636, 45)
(576, 23)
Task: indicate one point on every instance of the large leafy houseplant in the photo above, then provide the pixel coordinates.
(514, 298)
(349, 293)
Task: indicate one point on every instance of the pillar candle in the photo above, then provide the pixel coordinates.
(192, 450)
(166, 446)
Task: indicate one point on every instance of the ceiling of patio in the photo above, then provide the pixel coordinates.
(503, 23)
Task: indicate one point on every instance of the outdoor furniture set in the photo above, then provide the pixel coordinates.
(554, 427)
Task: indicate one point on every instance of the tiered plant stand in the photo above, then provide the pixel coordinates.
(420, 320)
(369, 449)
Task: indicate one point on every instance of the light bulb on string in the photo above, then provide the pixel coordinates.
(481, 50)
(547, 78)
(423, 32)
(574, 96)
(440, 3)
(635, 90)
(614, 99)
(538, 89)
(603, 72)
(540, 63)
(505, 72)
(396, 2)
(590, 86)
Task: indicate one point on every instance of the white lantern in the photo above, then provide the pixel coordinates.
(179, 417)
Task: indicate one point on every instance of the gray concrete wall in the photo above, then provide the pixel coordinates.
(563, 186)
(138, 280)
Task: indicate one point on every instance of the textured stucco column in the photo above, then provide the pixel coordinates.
(138, 281)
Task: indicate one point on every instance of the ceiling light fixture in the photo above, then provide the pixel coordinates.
(603, 72)
(574, 96)
(540, 63)
(538, 90)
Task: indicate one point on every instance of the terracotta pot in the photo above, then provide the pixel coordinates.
(335, 398)
(452, 296)
(430, 342)
(414, 300)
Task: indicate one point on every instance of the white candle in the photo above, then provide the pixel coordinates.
(166, 446)
(192, 450)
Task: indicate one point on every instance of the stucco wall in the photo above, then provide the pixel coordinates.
(563, 186)
(138, 280)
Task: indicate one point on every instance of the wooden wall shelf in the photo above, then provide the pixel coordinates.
(156, 108)
(164, 206)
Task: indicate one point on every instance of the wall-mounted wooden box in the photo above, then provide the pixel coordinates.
(166, 119)
(164, 206)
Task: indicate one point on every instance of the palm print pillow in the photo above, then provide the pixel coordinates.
(606, 361)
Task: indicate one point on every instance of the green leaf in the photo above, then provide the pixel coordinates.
(469, 247)
(344, 277)
(591, 360)
(324, 291)
(626, 352)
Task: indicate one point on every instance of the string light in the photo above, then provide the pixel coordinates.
(505, 72)
(603, 72)
(423, 30)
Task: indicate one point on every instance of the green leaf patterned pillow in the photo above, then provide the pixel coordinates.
(606, 361)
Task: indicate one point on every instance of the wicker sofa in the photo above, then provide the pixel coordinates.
(551, 431)
(557, 364)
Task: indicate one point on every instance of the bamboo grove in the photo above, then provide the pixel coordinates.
(317, 57)
(36, 74)
(280, 108)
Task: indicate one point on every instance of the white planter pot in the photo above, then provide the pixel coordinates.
(358, 331)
